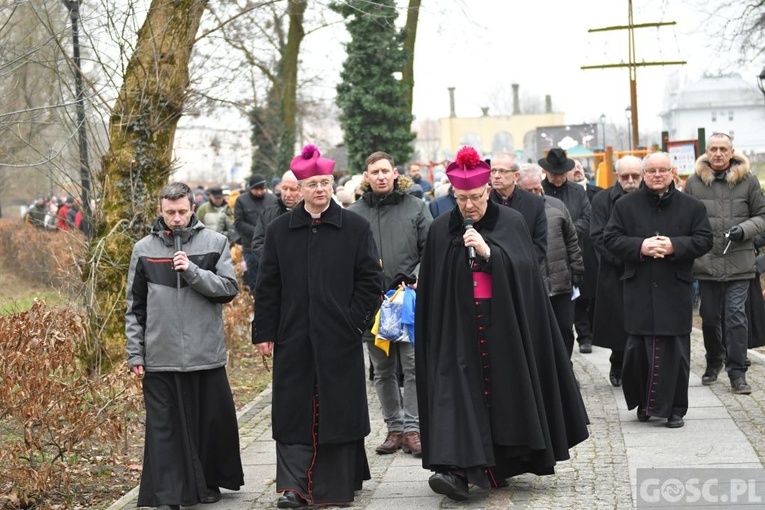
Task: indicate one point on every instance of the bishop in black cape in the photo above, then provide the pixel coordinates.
(534, 412)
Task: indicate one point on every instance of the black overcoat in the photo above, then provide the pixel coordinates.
(532, 208)
(608, 323)
(537, 413)
(318, 288)
(658, 292)
(590, 281)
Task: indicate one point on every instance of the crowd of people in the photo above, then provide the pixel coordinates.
(54, 213)
(510, 263)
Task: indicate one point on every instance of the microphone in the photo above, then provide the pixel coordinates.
(177, 238)
(177, 233)
(467, 222)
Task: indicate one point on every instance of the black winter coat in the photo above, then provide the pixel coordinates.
(319, 286)
(399, 223)
(532, 208)
(247, 210)
(575, 198)
(259, 235)
(608, 323)
(590, 281)
(658, 292)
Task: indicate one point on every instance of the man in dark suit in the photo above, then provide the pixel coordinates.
(504, 171)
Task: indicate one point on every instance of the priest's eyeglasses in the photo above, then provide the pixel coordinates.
(313, 185)
(473, 198)
(655, 171)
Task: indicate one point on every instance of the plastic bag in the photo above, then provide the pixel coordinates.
(391, 328)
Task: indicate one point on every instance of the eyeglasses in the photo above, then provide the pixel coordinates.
(655, 171)
(313, 185)
(503, 171)
(473, 198)
(627, 177)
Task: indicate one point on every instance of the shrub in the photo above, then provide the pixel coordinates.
(53, 415)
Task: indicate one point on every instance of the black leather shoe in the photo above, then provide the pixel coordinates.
(291, 500)
(169, 507)
(710, 375)
(675, 422)
(740, 387)
(212, 497)
(452, 486)
(616, 379)
(642, 414)
(585, 347)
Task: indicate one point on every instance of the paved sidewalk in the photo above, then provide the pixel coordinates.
(721, 430)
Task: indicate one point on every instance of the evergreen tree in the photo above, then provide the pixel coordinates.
(375, 115)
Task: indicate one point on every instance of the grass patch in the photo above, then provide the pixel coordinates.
(25, 302)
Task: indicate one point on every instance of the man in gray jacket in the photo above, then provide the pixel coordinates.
(174, 328)
(563, 267)
(736, 207)
(400, 225)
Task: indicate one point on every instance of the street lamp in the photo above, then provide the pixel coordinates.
(603, 127)
(628, 114)
(761, 81)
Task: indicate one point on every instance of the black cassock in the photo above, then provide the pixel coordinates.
(192, 437)
(529, 413)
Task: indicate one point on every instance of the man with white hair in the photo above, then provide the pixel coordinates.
(563, 267)
(608, 324)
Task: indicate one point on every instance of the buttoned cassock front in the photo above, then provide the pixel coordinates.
(657, 292)
(319, 286)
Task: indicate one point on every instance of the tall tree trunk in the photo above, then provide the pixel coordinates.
(138, 163)
(295, 36)
(410, 36)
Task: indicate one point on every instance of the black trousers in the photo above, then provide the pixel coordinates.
(584, 311)
(725, 324)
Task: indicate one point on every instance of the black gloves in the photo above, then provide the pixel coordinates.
(736, 233)
(576, 279)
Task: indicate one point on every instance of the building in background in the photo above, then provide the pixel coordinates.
(494, 134)
(725, 103)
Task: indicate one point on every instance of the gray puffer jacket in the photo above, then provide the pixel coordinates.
(736, 199)
(171, 329)
(400, 224)
(564, 258)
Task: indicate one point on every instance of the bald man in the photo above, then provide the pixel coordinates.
(289, 198)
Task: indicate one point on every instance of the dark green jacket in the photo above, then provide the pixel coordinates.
(400, 224)
(735, 200)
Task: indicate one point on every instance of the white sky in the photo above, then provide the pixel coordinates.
(482, 46)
